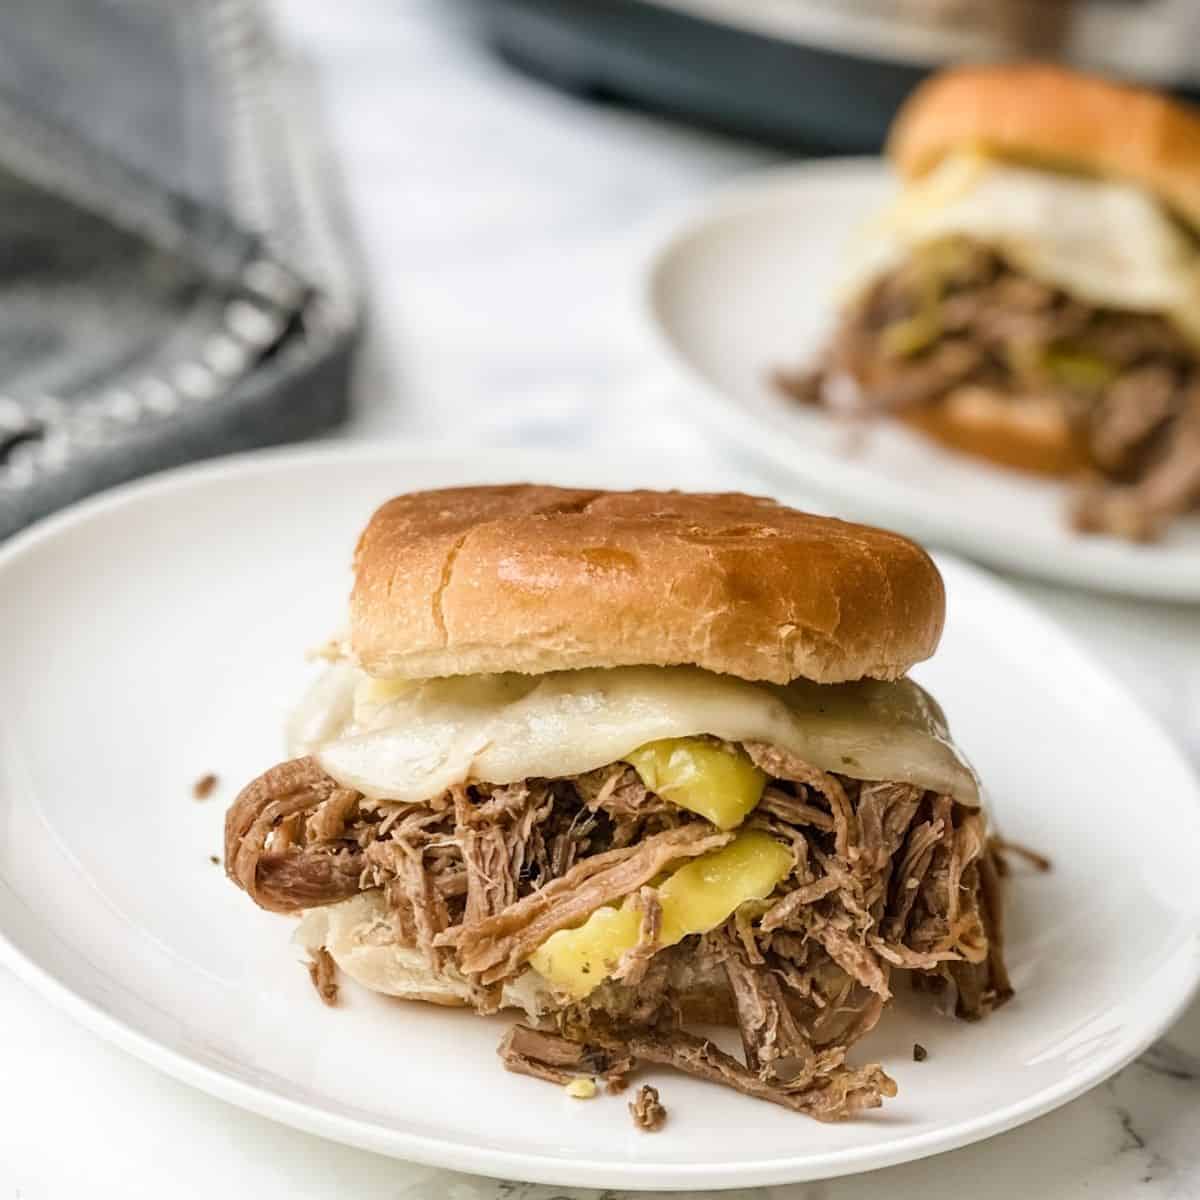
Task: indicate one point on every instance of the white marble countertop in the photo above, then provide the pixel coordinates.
(501, 225)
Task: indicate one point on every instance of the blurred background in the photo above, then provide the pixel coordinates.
(211, 211)
(822, 75)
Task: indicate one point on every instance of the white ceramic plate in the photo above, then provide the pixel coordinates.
(156, 634)
(748, 284)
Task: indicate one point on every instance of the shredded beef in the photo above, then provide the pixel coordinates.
(950, 363)
(857, 959)
(793, 903)
(1003, 847)
(411, 892)
(204, 786)
(793, 810)
(494, 948)
(632, 968)
(829, 1098)
(1131, 411)
(489, 849)
(323, 972)
(289, 876)
(776, 1048)
(646, 1109)
(782, 765)
(994, 985)
(619, 792)
(884, 877)
(1170, 485)
(548, 1056)
(956, 318)
(328, 823)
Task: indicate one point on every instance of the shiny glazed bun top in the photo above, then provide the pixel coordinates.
(532, 579)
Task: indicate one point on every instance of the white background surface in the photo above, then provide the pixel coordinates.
(502, 226)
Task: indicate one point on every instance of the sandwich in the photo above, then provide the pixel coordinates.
(625, 763)
(1032, 296)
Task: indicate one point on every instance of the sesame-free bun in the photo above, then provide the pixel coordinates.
(532, 579)
(1030, 434)
(1060, 119)
(366, 940)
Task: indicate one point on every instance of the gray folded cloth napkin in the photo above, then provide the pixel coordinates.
(174, 278)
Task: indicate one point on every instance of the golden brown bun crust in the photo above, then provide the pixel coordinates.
(994, 432)
(531, 579)
(1058, 117)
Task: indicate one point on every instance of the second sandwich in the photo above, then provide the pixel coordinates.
(1033, 294)
(625, 761)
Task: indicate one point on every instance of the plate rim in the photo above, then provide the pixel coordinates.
(431, 1150)
(761, 441)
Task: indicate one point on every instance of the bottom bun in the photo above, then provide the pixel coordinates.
(1030, 435)
(364, 939)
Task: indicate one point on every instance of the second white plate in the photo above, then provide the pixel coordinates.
(748, 284)
(157, 633)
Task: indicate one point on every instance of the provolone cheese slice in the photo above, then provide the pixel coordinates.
(410, 740)
(1104, 241)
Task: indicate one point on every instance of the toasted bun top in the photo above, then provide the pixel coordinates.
(1058, 118)
(531, 579)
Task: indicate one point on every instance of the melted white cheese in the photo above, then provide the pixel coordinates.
(1104, 241)
(410, 740)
